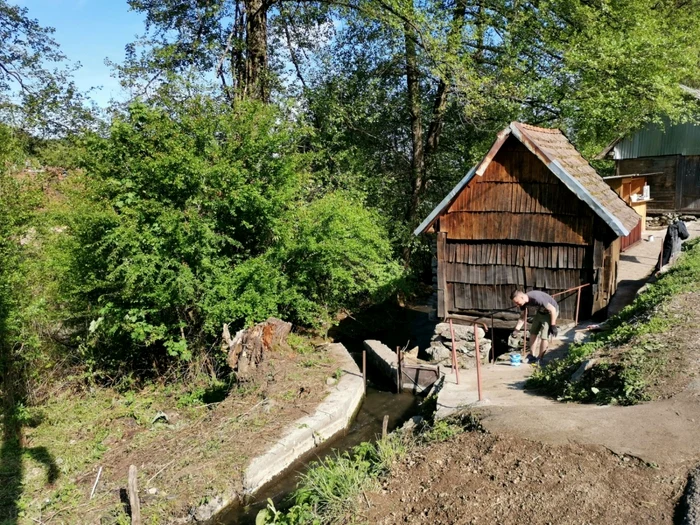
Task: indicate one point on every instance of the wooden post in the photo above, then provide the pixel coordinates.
(385, 427)
(364, 369)
(398, 371)
(134, 497)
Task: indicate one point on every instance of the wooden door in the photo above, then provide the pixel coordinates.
(688, 184)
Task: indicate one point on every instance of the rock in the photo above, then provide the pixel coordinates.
(411, 424)
(160, 416)
(692, 499)
(331, 381)
(206, 511)
(586, 365)
(462, 332)
(438, 352)
(153, 491)
(413, 352)
(469, 347)
(688, 218)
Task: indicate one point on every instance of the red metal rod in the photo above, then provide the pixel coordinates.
(455, 365)
(478, 361)
(578, 302)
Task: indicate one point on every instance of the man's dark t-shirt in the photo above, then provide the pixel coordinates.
(539, 300)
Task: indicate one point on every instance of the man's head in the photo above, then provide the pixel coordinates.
(519, 298)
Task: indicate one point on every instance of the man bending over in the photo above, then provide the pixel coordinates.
(543, 324)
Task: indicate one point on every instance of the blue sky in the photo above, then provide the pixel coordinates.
(89, 31)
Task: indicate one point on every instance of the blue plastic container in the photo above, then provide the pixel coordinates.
(515, 359)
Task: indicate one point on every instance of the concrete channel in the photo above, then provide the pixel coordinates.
(345, 418)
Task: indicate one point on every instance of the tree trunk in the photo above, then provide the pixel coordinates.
(414, 108)
(256, 86)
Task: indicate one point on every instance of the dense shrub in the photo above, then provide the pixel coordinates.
(200, 217)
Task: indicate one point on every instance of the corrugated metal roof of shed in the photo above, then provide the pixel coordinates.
(660, 141)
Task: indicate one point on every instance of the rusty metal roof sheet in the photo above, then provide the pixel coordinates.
(553, 148)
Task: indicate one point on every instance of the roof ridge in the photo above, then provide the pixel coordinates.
(553, 131)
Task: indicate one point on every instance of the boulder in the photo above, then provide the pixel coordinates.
(586, 365)
(462, 332)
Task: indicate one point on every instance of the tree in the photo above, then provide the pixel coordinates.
(198, 216)
(594, 69)
(241, 43)
(33, 95)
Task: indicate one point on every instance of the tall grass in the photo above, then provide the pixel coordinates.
(334, 490)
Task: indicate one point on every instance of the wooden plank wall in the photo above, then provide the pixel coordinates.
(662, 186)
(518, 226)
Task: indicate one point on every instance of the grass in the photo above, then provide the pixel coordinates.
(628, 357)
(334, 490)
(200, 450)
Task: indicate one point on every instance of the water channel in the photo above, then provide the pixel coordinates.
(367, 426)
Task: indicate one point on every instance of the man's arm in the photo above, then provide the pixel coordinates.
(552, 314)
(521, 321)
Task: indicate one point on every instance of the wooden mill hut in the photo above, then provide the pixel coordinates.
(533, 214)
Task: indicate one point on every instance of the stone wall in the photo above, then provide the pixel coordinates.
(440, 350)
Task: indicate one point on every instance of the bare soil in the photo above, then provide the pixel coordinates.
(485, 478)
(545, 462)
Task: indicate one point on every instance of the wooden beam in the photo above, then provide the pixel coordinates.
(442, 281)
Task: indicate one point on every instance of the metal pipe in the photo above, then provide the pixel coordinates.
(493, 343)
(478, 360)
(398, 371)
(455, 365)
(578, 302)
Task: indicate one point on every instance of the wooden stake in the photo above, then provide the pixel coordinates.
(97, 480)
(134, 497)
(385, 426)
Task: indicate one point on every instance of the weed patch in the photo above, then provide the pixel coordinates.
(335, 489)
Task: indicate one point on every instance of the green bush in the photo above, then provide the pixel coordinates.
(199, 217)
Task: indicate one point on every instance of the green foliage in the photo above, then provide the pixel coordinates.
(199, 218)
(37, 92)
(331, 491)
(625, 378)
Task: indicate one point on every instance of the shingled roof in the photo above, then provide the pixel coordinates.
(553, 148)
